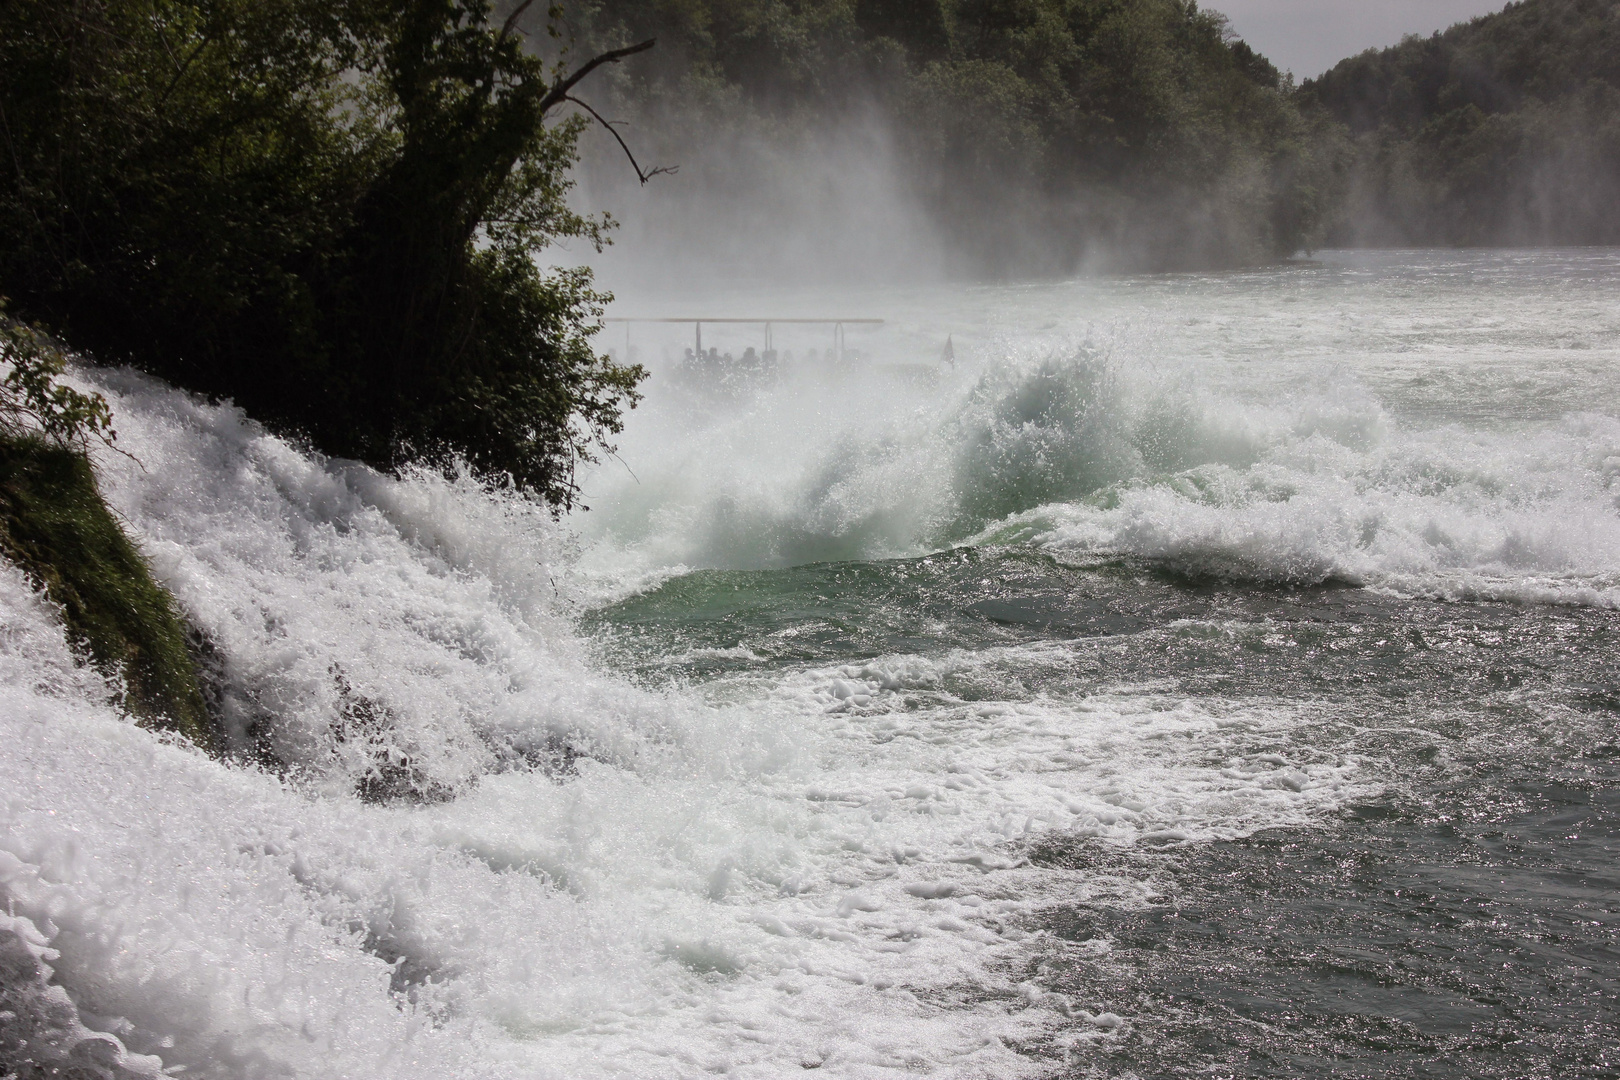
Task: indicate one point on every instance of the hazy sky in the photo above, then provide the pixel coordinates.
(1310, 36)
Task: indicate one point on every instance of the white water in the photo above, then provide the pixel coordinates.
(1429, 424)
(819, 865)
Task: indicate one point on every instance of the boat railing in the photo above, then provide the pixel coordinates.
(838, 325)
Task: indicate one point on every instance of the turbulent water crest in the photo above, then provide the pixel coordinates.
(876, 719)
(1446, 431)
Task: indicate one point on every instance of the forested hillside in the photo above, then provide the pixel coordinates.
(1040, 135)
(1502, 130)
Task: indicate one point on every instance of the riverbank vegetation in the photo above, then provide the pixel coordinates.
(55, 526)
(1504, 130)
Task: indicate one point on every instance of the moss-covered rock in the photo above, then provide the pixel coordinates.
(54, 524)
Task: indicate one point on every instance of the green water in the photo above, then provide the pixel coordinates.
(1459, 922)
(1357, 517)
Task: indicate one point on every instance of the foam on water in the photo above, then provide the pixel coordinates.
(1445, 513)
(1092, 452)
(462, 851)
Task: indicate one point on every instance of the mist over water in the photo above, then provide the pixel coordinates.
(829, 203)
(1204, 674)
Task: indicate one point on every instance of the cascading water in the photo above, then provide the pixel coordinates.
(873, 721)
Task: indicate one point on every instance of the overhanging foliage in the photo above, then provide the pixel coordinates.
(327, 210)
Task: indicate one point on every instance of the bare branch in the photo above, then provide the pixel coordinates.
(559, 89)
(517, 13)
(669, 170)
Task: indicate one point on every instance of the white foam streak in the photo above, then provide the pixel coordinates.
(1447, 514)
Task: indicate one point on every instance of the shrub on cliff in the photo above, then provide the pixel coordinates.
(327, 210)
(54, 524)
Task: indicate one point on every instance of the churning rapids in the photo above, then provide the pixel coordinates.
(1208, 675)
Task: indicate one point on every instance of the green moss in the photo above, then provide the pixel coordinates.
(54, 524)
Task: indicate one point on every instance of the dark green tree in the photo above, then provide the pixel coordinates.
(329, 211)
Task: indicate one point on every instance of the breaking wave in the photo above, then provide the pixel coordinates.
(1089, 455)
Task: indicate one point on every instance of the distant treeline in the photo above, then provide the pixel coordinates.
(1046, 135)
(1041, 135)
(1502, 130)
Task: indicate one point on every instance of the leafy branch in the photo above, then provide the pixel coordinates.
(33, 402)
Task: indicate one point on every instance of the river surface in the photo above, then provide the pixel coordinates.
(1202, 675)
